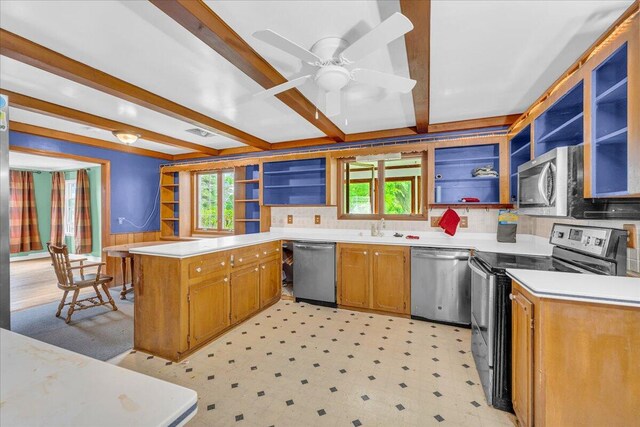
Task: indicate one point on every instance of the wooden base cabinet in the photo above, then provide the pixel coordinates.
(574, 363)
(181, 304)
(374, 277)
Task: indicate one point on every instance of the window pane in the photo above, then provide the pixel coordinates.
(401, 192)
(208, 201)
(360, 179)
(227, 200)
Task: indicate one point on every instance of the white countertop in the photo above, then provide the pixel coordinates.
(526, 244)
(580, 287)
(44, 385)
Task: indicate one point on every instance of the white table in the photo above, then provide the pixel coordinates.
(44, 385)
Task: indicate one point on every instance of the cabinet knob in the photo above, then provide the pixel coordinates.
(277, 249)
(222, 263)
(264, 252)
(226, 279)
(257, 255)
(198, 269)
(256, 269)
(365, 252)
(240, 260)
(512, 297)
(263, 267)
(376, 254)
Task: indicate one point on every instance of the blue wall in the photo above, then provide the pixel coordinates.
(134, 180)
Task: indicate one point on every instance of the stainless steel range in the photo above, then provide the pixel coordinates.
(577, 249)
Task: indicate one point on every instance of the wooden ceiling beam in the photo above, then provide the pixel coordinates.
(418, 47)
(85, 140)
(35, 105)
(486, 122)
(28, 52)
(197, 18)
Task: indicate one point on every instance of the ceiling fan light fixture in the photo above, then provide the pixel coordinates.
(127, 138)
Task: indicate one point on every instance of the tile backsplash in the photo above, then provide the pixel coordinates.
(480, 221)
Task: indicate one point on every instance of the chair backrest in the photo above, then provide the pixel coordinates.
(61, 264)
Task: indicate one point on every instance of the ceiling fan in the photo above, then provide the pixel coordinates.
(332, 55)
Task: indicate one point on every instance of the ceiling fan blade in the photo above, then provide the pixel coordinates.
(383, 80)
(286, 45)
(281, 87)
(390, 29)
(332, 103)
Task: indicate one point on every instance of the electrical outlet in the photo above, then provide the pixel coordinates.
(464, 222)
(289, 219)
(435, 221)
(632, 235)
(120, 220)
(317, 219)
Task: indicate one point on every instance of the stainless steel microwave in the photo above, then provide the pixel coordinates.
(552, 184)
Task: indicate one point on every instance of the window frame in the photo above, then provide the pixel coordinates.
(379, 192)
(195, 203)
(67, 183)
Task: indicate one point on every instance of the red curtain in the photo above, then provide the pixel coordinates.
(82, 234)
(57, 208)
(23, 216)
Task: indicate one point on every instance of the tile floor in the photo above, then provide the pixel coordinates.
(302, 365)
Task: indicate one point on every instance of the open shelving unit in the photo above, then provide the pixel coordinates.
(609, 148)
(250, 216)
(295, 182)
(175, 206)
(519, 153)
(562, 124)
(455, 165)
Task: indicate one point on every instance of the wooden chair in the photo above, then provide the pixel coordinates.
(69, 281)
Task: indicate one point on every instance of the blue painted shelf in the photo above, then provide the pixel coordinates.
(561, 124)
(519, 153)
(455, 166)
(609, 126)
(295, 182)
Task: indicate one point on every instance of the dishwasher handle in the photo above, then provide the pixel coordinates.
(473, 265)
(430, 255)
(312, 247)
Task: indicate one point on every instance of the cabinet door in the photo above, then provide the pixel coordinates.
(522, 358)
(353, 275)
(390, 273)
(208, 309)
(270, 282)
(245, 292)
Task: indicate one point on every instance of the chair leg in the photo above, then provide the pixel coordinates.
(61, 305)
(72, 306)
(111, 301)
(98, 294)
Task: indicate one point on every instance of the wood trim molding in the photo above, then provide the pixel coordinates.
(418, 47)
(28, 52)
(197, 18)
(85, 140)
(105, 176)
(380, 134)
(43, 107)
(485, 122)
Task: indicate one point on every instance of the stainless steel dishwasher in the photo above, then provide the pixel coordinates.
(441, 285)
(314, 272)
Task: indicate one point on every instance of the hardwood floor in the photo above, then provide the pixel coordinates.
(34, 283)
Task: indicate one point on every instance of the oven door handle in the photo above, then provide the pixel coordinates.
(477, 270)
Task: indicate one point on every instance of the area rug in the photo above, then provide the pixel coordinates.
(97, 332)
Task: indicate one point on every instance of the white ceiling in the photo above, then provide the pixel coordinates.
(488, 58)
(492, 58)
(19, 160)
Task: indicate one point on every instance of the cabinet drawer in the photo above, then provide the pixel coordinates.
(207, 266)
(269, 249)
(245, 256)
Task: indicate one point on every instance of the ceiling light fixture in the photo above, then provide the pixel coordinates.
(125, 137)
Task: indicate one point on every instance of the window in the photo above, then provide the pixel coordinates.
(214, 201)
(402, 193)
(69, 206)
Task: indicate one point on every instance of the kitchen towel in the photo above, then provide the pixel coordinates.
(449, 222)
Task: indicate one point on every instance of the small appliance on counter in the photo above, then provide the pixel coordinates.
(552, 184)
(314, 273)
(577, 249)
